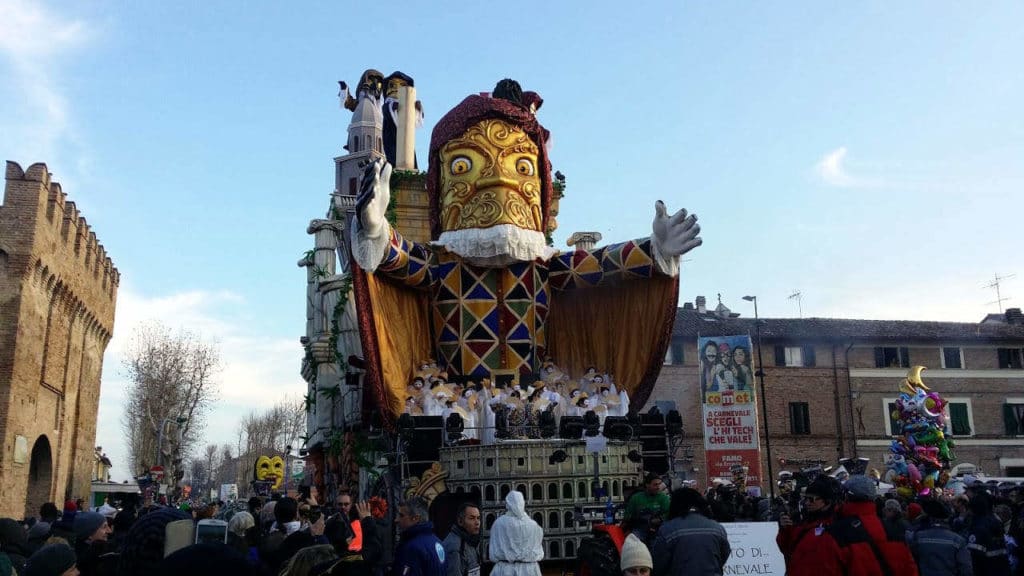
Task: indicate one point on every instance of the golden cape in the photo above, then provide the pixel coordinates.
(622, 328)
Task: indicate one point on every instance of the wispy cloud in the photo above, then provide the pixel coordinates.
(832, 171)
(258, 370)
(35, 42)
(835, 169)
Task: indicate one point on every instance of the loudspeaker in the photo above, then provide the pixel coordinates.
(424, 445)
(654, 443)
(570, 427)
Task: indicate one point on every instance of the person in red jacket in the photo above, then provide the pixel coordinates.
(855, 543)
(819, 507)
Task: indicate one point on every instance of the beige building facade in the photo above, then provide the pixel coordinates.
(58, 290)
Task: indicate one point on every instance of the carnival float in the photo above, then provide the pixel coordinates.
(451, 351)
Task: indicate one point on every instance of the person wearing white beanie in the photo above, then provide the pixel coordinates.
(636, 558)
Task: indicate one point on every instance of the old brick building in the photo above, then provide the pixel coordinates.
(58, 290)
(830, 382)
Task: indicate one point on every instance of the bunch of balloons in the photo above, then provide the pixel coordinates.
(922, 454)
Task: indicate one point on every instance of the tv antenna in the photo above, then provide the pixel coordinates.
(796, 295)
(999, 295)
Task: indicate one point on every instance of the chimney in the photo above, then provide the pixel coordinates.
(687, 305)
(1014, 316)
(702, 305)
(405, 139)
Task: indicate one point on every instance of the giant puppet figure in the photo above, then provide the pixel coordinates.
(488, 294)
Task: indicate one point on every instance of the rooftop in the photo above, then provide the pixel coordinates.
(690, 322)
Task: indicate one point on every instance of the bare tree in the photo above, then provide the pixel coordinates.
(172, 386)
(268, 433)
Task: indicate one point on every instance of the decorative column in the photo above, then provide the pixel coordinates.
(584, 240)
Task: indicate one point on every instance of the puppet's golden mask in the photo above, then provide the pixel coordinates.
(270, 468)
(490, 176)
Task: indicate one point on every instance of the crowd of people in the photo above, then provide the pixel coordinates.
(282, 536)
(828, 528)
(838, 526)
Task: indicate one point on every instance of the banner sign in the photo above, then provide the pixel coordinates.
(754, 550)
(729, 408)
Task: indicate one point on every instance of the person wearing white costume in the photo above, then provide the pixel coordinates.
(516, 545)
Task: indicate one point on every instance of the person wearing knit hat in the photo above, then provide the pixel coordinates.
(914, 510)
(860, 488)
(91, 527)
(936, 548)
(896, 525)
(636, 558)
(91, 532)
(52, 560)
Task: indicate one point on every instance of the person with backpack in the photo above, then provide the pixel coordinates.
(938, 550)
(855, 543)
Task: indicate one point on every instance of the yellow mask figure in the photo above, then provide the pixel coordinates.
(270, 468)
(490, 176)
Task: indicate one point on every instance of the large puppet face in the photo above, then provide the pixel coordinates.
(489, 177)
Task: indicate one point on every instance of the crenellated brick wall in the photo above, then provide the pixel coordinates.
(58, 292)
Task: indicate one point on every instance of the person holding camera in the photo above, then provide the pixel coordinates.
(819, 508)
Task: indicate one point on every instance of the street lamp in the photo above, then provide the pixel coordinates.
(764, 403)
(287, 466)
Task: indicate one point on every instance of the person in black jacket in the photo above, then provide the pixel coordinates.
(984, 533)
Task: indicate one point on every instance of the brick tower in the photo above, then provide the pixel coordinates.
(58, 291)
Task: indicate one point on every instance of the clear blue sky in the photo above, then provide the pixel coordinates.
(870, 154)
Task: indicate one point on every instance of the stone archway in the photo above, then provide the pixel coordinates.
(40, 477)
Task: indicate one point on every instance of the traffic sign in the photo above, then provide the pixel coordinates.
(157, 472)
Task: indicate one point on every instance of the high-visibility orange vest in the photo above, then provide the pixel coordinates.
(356, 545)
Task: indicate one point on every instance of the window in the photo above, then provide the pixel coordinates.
(794, 356)
(959, 419)
(952, 358)
(1013, 419)
(352, 191)
(674, 354)
(1009, 358)
(891, 413)
(799, 418)
(892, 357)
